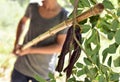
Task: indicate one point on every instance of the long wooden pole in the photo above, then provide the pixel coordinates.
(98, 8)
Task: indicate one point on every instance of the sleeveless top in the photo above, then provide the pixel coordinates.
(39, 64)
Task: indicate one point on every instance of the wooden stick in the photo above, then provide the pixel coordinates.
(98, 8)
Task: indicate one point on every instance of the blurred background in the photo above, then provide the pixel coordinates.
(11, 12)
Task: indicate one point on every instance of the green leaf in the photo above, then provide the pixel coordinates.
(72, 79)
(87, 61)
(96, 50)
(80, 72)
(96, 59)
(79, 12)
(109, 61)
(93, 20)
(101, 78)
(117, 37)
(104, 26)
(117, 62)
(114, 77)
(92, 37)
(72, 2)
(112, 48)
(93, 72)
(93, 2)
(51, 75)
(86, 69)
(53, 80)
(118, 12)
(114, 25)
(111, 35)
(85, 3)
(104, 54)
(79, 65)
(104, 69)
(108, 16)
(80, 4)
(108, 4)
(85, 28)
(87, 47)
(39, 79)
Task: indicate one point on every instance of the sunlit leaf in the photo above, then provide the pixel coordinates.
(72, 1)
(117, 37)
(112, 48)
(79, 65)
(87, 61)
(52, 80)
(108, 16)
(104, 69)
(96, 50)
(96, 59)
(109, 61)
(104, 26)
(117, 62)
(101, 78)
(114, 77)
(93, 72)
(85, 28)
(93, 2)
(111, 35)
(92, 38)
(80, 72)
(39, 79)
(80, 4)
(114, 24)
(85, 3)
(88, 47)
(72, 79)
(118, 12)
(51, 75)
(108, 4)
(104, 54)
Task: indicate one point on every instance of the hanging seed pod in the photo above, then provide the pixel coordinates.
(74, 58)
(65, 49)
(76, 53)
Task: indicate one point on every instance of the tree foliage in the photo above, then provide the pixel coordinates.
(98, 62)
(101, 42)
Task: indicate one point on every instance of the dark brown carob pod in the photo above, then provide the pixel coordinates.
(65, 49)
(76, 53)
(73, 59)
(70, 39)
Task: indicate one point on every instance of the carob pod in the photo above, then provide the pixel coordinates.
(73, 59)
(76, 53)
(65, 49)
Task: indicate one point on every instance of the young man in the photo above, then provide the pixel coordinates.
(40, 58)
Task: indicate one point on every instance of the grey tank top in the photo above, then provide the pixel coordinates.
(38, 64)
